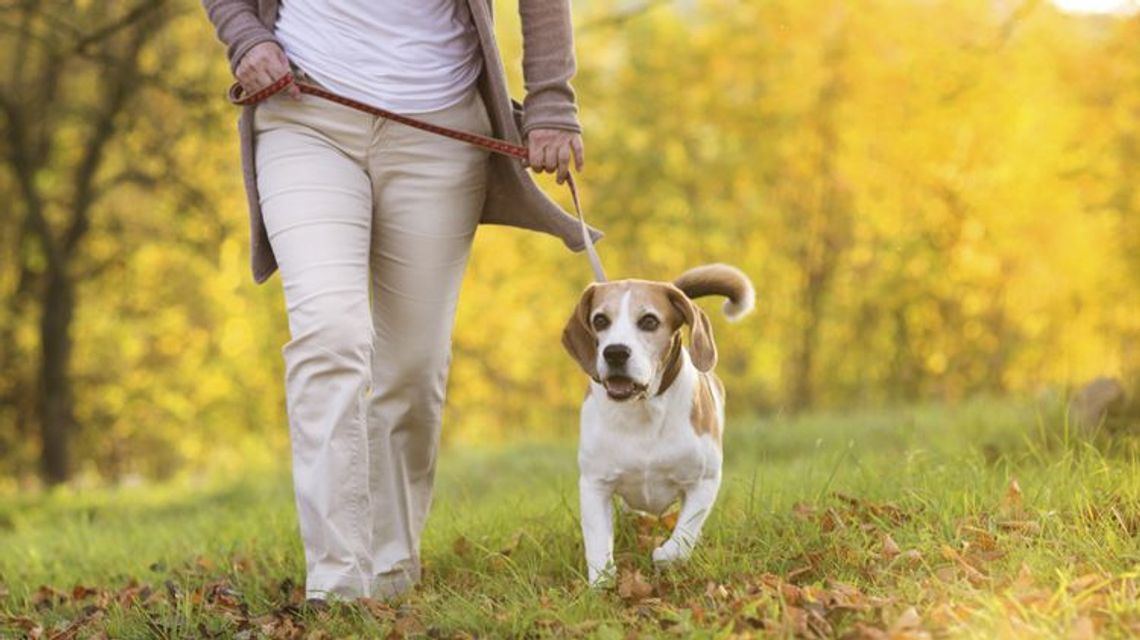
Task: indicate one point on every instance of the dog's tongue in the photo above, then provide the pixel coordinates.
(620, 387)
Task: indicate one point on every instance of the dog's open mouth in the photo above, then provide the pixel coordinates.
(622, 388)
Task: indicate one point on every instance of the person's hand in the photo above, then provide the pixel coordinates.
(551, 149)
(261, 66)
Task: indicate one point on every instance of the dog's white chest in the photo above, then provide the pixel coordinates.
(649, 455)
(653, 480)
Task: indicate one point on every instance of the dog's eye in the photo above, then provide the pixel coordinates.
(648, 323)
(601, 322)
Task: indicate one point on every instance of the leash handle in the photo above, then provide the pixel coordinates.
(237, 96)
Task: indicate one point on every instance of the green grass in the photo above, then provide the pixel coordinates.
(796, 546)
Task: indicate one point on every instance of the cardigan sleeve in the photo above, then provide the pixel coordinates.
(548, 65)
(237, 26)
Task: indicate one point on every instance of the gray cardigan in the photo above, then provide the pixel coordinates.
(513, 198)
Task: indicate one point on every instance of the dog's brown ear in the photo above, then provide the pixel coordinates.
(579, 338)
(701, 345)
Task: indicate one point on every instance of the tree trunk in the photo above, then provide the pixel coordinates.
(55, 392)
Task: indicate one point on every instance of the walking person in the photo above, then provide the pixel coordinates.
(370, 223)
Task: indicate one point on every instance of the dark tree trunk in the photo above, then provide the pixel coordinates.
(55, 405)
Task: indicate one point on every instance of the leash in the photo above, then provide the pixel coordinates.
(237, 96)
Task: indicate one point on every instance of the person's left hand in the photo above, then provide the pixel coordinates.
(551, 149)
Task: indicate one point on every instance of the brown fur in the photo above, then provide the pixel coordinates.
(677, 309)
(703, 413)
(714, 279)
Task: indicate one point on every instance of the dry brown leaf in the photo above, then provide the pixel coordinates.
(862, 631)
(241, 564)
(1013, 494)
(80, 592)
(830, 521)
(1088, 581)
(461, 546)
(512, 544)
(648, 542)
(889, 548)
(909, 620)
(632, 586)
(1083, 629)
(22, 622)
(791, 593)
(980, 538)
(913, 556)
(803, 511)
(1027, 527)
(47, 597)
(409, 624)
(205, 564)
(380, 610)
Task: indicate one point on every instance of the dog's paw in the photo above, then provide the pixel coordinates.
(672, 551)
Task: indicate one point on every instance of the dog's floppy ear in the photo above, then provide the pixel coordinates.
(579, 338)
(701, 345)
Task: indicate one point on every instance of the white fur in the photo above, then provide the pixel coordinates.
(646, 452)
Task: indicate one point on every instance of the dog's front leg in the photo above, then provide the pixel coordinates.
(597, 529)
(695, 508)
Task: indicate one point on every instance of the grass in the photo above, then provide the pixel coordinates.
(983, 520)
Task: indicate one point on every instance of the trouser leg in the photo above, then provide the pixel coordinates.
(316, 203)
(428, 194)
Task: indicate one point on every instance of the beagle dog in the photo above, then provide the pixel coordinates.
(653, 416)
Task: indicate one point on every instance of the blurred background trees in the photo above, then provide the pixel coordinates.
(935, 200)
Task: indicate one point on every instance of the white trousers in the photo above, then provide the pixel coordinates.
(371, 223)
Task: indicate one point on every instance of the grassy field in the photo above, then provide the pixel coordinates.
(978, 521)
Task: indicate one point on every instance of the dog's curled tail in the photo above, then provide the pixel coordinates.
(723, 280)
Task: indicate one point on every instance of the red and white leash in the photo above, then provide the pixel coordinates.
(237, 96)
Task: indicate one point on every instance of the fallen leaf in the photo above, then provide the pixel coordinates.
(461, 546)
(913, 556)
(47, 597)
(1013, 493)
(803, 511)
(632, 586)
(909, 620)
(240, 564)
(1020, 526)
(1087, 582)
(80, 592)
(512, 544)
(1083, 629)
(407, 625)
(889, 548)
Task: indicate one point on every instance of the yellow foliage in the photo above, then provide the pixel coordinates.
(934, 199)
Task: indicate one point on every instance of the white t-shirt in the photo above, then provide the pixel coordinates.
(404, 56)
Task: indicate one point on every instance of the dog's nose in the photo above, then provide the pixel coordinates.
(616, 354)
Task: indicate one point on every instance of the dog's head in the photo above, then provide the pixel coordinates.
(626, 334)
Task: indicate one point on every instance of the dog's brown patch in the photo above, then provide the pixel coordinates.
(703, 414)
(672, 364)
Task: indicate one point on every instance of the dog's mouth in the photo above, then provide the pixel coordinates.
(623, 387)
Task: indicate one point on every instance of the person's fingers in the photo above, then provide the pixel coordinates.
(535, 155)
(277, 67)
(550, 157)
(243, 77)
(579, 152)
(279, 54)
(563, 161)
(263, 79)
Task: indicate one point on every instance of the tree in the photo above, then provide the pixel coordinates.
(68, 98)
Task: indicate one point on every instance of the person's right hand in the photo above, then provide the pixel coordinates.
(261, 65)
